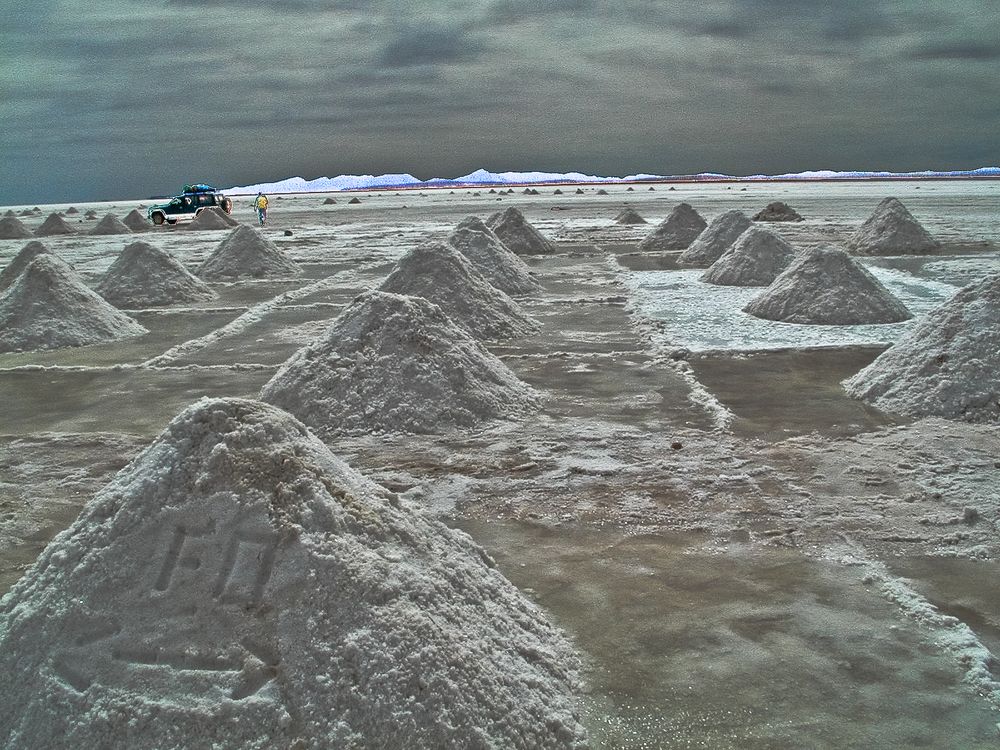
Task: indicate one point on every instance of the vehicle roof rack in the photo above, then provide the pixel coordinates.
(199, 188)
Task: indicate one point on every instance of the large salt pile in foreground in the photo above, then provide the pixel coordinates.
(392, 363)
(518, 234)
(135, 221)
(777, 211)
(947, 365)
(247, 253)
(488, 255)
(212, 218)
(715, 240)
(12, 228)
(110, 224)
(146, 276)
(629, 216)
(755, 259)
(237, 586)
(27, 254)
(438, 272)
(891, 230)
(676, 232)
(48, 307)
(54, 224)
(824, 286)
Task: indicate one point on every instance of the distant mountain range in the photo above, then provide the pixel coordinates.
(484, 178)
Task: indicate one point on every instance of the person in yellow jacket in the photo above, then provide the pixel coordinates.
(260, 203)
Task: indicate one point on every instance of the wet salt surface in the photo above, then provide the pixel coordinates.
(709, 317)
(748, 649)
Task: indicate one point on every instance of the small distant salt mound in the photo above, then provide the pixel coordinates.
(247, 253)
(354, 200)
(602, 191)
(891, 230)
(392, 363)
(526, 191)
(488, 255)
(135, 221)
(72, 210)
(756, 259)
(27, 254)
(557, 191)
(947, 365)
(676, 232)
(579, 191)
(238, 586)
(11, 228)
(629, 216)
(110, 224)
(53, 225)
(146, 276)
(329, 202)
(211, 219)
(777, 211)
(90, 215)
(26, 212)
(825, 286)
(518, 234)
(49, 307)
(715, 240)
(438, 272)
(9, 213)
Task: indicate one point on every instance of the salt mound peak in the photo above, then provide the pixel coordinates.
(392, 363)
(212, 218)
(777, 211)
(629, 216)
(676, 232)
(54, 224)
(135, 221)
(947, 365)
(715, 239)
(756, 259)
(12, 228)
(146, 276)
(247, 253)
(27, 254)
(49, 307)
(438, 272)
(891, 230)
(238, 586)
(518, 234)
(72, 210)
(488, 255)
(825, 286)
(9, 212)
(330, 202)
(110, 224)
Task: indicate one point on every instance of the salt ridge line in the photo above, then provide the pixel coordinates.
(253, 315)
(659, 349)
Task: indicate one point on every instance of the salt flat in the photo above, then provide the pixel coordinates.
(697, 502)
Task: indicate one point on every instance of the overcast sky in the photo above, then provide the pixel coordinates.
(131, 99)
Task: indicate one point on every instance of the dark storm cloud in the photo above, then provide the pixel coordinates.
(130, 102)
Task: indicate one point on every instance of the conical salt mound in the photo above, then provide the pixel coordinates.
(49, 307)
(9, 213)
(391, 363)
(212, 218)
(438, 272)
(72, 210)
(135, 221)
(247, 253)
(777, 211)
(27, 254)
(947, 365)
(755, 259)
(110, 224)
(237, 586)
(518, 234)
(146, 276)
(891, 230)
(715, 240)
(488, 255)
(629, 216)
(11, 228)
(676, 232)
(53, 225)
(824, 286)
(329, 202)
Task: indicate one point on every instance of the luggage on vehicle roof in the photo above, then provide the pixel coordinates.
(199, 188)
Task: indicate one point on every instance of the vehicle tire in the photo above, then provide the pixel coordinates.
(158, 218)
